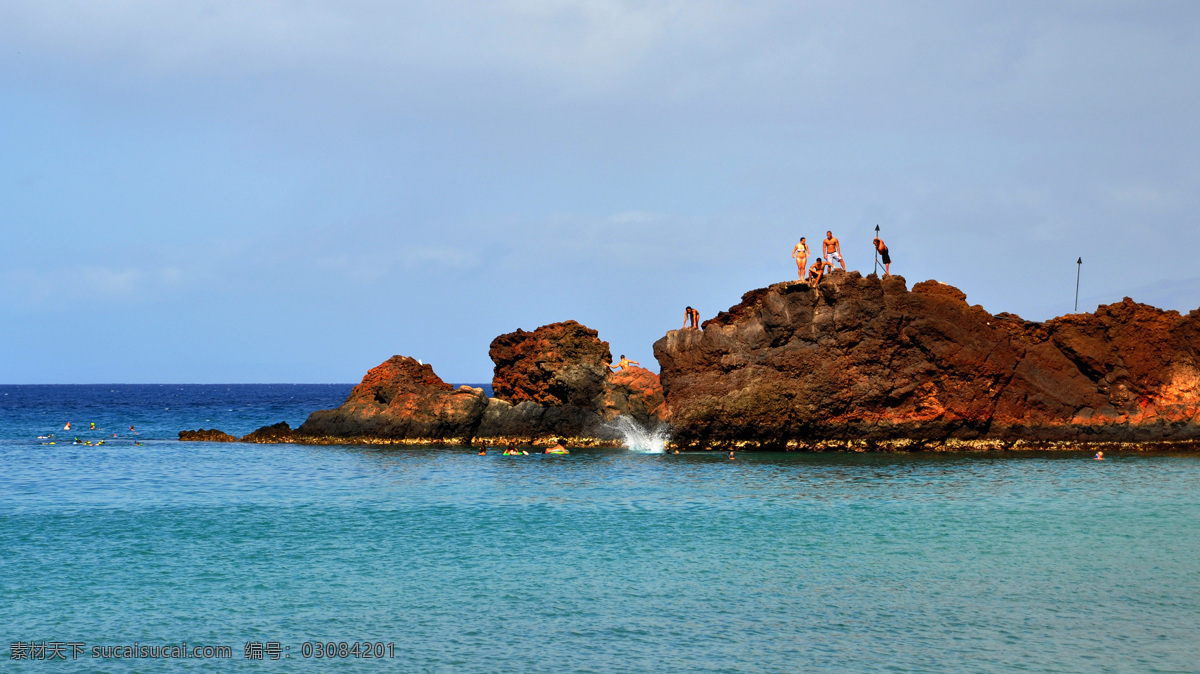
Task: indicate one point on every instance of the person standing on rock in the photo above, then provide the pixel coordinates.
(800, 254)
(833, 249)
(692, 316)
(817, 271)
(624, 363)
(883, 255)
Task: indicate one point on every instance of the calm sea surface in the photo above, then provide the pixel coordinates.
(600, 561)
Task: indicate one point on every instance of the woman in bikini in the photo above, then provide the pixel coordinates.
(800, 254)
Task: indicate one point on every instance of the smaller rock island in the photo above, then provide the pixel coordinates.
(554, 382)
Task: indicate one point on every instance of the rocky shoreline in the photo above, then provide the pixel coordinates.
(856, 364)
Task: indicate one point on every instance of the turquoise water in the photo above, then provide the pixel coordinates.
(599, 561)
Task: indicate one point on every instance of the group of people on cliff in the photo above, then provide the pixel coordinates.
(831, 248)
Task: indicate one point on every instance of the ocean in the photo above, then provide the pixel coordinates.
(282, 557)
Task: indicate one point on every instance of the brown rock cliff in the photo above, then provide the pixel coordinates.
(866, 361)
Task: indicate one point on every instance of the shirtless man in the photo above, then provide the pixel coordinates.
(883, 255)
(692, 316)
(833, 250)
(817, 271)
(800, 254)
(624, 363)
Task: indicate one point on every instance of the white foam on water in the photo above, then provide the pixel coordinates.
(639, 438)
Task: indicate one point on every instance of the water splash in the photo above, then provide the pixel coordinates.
(639, 438)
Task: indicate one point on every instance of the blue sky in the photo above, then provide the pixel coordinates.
(295, 191)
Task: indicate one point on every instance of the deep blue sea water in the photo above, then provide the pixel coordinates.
(600, 561)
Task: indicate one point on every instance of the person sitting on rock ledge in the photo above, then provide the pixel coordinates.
(817, 271)
(624, 363)
(692, 316)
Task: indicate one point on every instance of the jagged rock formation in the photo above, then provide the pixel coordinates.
(280, 432)
(401, 399)
(553, 382)
(636, 393)
(865, 363)
(557, 364)
(206, 435)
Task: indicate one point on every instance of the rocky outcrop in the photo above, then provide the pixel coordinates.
(551, 383)
(557, 364)
(401, 400)
(864, 363)
(636, 393)
(274, 434)
(206, 435)
(556, 382)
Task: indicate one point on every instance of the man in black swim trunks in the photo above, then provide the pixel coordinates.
(883, 255)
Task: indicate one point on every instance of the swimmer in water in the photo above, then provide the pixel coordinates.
(558, 448)
(731, 455)
(1100, 455)
(624, 363)
(67, 427)
(92, 426)
(483, 449)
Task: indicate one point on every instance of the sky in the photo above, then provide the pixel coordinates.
(293, 191)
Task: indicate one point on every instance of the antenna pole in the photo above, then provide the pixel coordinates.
(1078, 266)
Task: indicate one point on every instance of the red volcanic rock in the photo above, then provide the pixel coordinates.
(557, 364)
(555, 381)
(866, 360)
(552, 382)
(395, 376)
(401, 399)
(636, 392)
